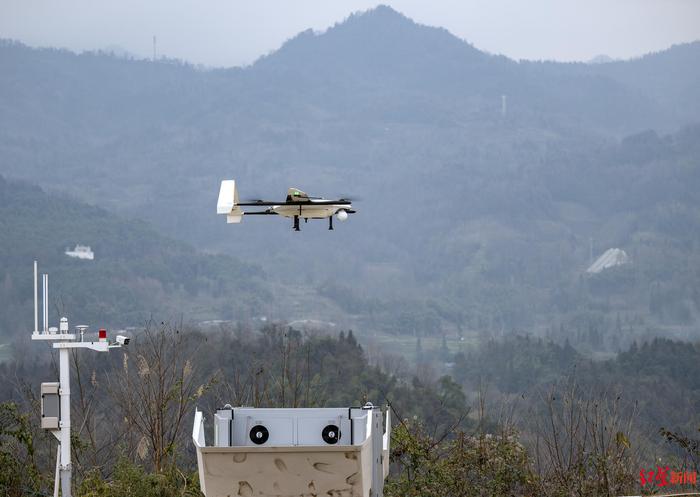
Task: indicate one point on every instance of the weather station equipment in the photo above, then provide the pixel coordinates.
(294, 451)
(55, 396)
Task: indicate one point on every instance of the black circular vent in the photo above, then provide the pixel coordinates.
(331, 434)
(259, 434)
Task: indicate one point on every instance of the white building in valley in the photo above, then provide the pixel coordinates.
(610, 258)
(81, 252)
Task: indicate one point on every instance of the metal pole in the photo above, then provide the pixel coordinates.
(36, 301)
(58, 466)
(46, 305)
(64, 392)
(44, 300)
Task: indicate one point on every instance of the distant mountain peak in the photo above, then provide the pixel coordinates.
(384, 18)
(384, 9)
(383, 12)
(376, 37)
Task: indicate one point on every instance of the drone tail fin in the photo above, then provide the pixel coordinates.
(228, 202)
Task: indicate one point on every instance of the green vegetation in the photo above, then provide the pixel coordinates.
(131, 480)
(18, 470)
(443, 443)
(274, 366)
(463, 465)
(645, 380)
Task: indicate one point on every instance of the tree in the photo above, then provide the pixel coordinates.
(689, 447)
(18, 472)
(582, 444)
(155, 389)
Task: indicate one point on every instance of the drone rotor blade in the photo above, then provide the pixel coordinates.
(350, 198)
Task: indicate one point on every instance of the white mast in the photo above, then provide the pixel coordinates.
(45, 301)
(64, 438)
(36, 302)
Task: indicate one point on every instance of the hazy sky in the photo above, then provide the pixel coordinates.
(234, 32)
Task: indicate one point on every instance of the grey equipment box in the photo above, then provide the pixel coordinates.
(50, 406)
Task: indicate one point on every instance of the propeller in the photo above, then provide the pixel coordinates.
(350, 198)
(254, 196)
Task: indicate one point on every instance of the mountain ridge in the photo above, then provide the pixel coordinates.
(380, 13)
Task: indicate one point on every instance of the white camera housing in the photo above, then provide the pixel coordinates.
(123, 340)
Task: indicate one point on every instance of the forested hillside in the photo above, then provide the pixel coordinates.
(137, 273)
(469, 219)
(648, 378)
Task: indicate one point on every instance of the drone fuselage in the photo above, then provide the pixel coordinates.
(308, 210)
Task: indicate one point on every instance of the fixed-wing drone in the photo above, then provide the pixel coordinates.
(298, 205)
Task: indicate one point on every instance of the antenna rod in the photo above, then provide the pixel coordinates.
(36, 301)
(46, 302)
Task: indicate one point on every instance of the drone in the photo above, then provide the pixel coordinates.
(298, 205)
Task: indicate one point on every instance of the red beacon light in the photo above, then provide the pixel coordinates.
(102, 335)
